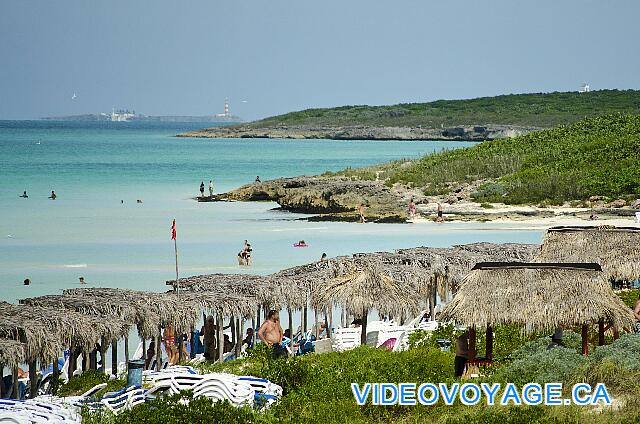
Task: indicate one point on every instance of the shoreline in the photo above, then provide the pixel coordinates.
(396, 133)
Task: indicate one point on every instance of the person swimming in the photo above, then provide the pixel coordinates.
(53, 195)
(82, 280)
(26, 282)
(301, 243)
(24, 195)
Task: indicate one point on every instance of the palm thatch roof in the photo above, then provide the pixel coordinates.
(363, 284)
(12, 353)
(153, 309)
(617, 249)
(537, 296)
(47, 331)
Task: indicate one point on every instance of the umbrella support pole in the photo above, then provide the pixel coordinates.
(585, 339)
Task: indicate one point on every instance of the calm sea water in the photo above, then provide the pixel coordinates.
(88, 232)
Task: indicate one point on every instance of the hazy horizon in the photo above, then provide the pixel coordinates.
(160, 58)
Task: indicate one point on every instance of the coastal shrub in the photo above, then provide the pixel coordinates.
(548, 366)
(179, 409)
(629, 297)
(570, 340)
(594, 156)
(88, 379)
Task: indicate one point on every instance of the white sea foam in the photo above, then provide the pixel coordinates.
(74, 265)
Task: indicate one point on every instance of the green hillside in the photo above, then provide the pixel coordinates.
(543, 110)
(595, 156)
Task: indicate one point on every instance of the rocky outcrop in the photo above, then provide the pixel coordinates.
(328, 198)
(461, 133)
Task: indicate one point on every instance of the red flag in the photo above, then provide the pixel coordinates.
(173, 230)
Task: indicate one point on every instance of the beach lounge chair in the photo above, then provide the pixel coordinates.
(345, 339)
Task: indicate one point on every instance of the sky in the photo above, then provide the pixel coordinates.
(269, 57)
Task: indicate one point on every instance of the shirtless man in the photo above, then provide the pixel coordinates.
(271, 334)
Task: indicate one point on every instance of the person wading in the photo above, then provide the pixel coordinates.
(271, 334)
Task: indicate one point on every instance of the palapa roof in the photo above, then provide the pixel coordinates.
(153, 309)
(617, 249)
(363, 284)
(537, 296)
(12, 353)
(47, 331)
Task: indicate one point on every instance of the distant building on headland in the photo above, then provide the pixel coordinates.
(122, 115)
(584, 88)
(226, 113)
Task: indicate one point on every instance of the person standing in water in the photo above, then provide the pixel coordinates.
(412, 209)
(258, 179)
(361, 209)
(24, 195)
(82, 280)
(202, 189)
(53, 195)
(211, 188)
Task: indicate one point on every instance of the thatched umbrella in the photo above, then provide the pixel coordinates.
(12, 354)
(537, 296)
(617, 249)
(361, 285)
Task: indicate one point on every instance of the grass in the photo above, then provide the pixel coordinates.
(542, 110)
(595, 156)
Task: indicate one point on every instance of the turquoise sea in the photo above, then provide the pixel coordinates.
(88, 232)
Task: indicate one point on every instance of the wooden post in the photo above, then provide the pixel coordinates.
(241, 338)
(126, 352)
(220, 338)
(330, 325)
(192, 343)
(85, 361)
(317, 327)
(257, 318)
(585, 339)
(489, 340)
(179, 336)
(14, 384)
(103, 354)
(255, 330)
(73, 361)
(472, 344)
(290, 316)
(363, 335)
(56, 373)
(93, 360)
(601, 332)
(232, 324)
(616, 333)
(305, 312)
(33, 379)
(114, 358)
(144, 347)
(159, 350)
(2, 390)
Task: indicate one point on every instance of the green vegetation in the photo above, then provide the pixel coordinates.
(595, 156)
(88, 379)
(541, 110)
(317, 388)
(629, 297)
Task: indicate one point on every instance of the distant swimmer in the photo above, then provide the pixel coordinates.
(202, 189)
(324, 257)
(301, 243)
(26, 282)
(258, 179)
(138, 201)
(82, 280)
(122, 202)
(24, 195)
(53, 195)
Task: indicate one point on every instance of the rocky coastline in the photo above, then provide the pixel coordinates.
(338, 199)
(457, 133)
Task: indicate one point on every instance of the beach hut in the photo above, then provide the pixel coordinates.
(616, 249)
(361, 284)
(538, 297)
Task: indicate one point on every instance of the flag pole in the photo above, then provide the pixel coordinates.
(175, 247)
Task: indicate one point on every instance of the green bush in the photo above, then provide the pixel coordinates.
(88, 379)
(547, 366)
